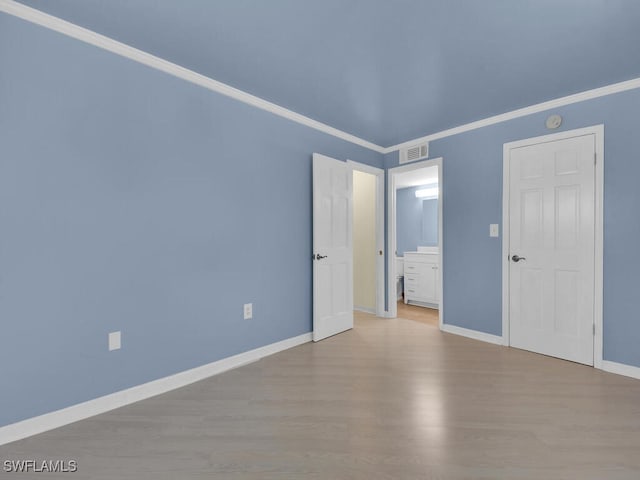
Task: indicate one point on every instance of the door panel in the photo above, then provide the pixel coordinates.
(552, 225)
(531, 218)
(567, 216)
(332, 240)
(531, 304)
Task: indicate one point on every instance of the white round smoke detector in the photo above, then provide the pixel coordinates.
(554, 121)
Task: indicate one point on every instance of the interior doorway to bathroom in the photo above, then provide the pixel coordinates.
(368, 239)
(415, 241)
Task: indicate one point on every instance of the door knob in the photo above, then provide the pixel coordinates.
(319, 257)
(517, 258)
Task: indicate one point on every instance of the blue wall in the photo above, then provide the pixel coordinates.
(115, 213)
(472, 199)
(416, 221)
(430, 222)
(131, 200)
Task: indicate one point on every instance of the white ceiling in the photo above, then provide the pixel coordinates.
(414, 178)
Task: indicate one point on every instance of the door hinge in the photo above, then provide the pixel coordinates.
(595, 158)
(594, 329)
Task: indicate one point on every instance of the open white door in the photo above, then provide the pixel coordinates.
(332, 247)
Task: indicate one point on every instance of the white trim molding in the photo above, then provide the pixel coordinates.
(364, 310)
(81, 411)
(101, 41)
(72, 30)
(598, 289)
(474, 334)
(523, 112)
(621, 369)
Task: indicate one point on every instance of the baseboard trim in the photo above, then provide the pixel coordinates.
(474, 334)
(621, 369)
(433, 306)
(365, 310)
(49, 421)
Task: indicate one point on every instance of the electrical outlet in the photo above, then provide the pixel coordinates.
(248, 311)
(115, 341)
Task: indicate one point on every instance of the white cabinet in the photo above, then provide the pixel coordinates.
(421, 278)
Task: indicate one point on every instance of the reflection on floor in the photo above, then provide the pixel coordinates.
(391, 399)
(418, 314)
(427, 316)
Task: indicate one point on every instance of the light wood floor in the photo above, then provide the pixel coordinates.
(418, 314)
(390, 399)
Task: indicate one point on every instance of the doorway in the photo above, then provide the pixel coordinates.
(332, 255)
(415, 239)
(368, 238)
(552, 222)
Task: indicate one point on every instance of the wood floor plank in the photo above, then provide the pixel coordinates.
(390, 399)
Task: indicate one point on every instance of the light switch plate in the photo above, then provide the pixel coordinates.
(115, 342)
(494, 230)
(248, 311)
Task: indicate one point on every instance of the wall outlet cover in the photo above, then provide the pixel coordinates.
(248, 311)
(494, 230)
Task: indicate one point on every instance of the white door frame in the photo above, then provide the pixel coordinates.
(392, 311)
(379, 215)
(598, 132)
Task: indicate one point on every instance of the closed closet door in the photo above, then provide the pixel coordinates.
(552, 241)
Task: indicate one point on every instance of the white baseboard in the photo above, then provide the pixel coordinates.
(621, 369)
(364, 309)
(465, 332)
(433, 306)
(74, 413)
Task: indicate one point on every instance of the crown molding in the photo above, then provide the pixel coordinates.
(72, 30)
(522, 112)
(101, 41)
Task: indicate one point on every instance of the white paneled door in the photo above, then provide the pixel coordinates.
(332, 247)
(552, 241)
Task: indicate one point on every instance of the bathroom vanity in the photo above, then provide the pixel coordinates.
(422, 277)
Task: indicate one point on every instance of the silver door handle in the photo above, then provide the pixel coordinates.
(517, 258)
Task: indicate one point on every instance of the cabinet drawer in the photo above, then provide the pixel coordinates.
(411, 292)
(418, 269)
(411, 279)
(411, 267)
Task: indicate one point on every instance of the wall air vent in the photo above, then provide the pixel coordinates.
(414, 152)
